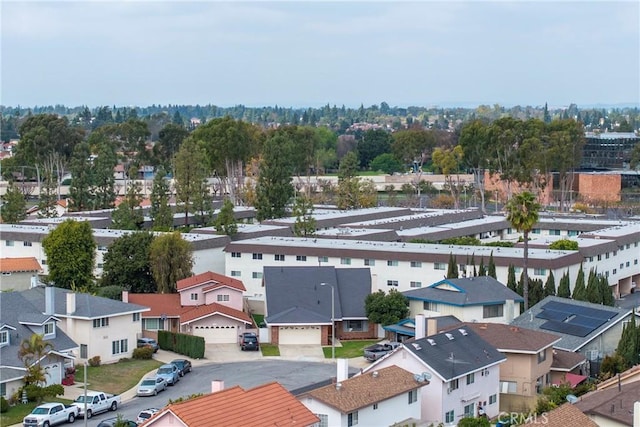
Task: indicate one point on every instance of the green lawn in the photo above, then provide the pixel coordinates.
(15, 414)
(270, 350)
(118, 377)
(349, 349)
(258, 319)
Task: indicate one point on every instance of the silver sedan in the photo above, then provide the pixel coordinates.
(151, 386)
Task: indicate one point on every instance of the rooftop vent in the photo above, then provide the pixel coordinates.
(449, 336)
(416, 346)
(374, 374)
(463, 332)
(430, 341)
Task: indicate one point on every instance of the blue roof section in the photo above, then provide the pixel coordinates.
(482, 290)
(407, 326)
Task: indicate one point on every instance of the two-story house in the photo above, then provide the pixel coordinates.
(19, 274)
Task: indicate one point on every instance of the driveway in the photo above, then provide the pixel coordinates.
(302, 352)
(221, 353)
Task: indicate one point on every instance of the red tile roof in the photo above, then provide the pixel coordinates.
(201, 311)
(217, 280)
(266, 405)
(167, 304)
(18, 265)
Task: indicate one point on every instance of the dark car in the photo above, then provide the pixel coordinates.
(110, 422)
(184, 366)
(148, 342)
(249, 341)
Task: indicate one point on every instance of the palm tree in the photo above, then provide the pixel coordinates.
(32, 350)
(522, 213)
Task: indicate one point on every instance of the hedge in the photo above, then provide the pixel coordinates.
(188, 345)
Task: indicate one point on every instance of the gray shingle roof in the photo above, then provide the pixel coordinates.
(300, 288)
(568, 342)
(481, 290)
(454, 354)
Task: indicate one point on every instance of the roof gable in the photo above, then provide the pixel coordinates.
(19, 265)
(481, 290)
(201, 311)
(209, 276)
(513, 339)
(159, 304)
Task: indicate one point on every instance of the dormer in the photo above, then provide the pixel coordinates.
(5, 332)
(41, 324)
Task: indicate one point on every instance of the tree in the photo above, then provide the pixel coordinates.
(171, 259)
(564, 145)
(482, 270)
(128, 215)
(70, 250)
(474, 141)
(374, 143)
(564, 287)
(592, 291)
(14, 205)
(305, 224)
(127, 265)
(274, 188)
(386, 309)
(522, 213)
(171, 137)
(550, 285)
(564, 245)
(44, 134)
(580, 290)
(102, 178)
(48, 192)
(605, 291)
(629, 344)
(449, 161)
(536, 291)
(225, 222)
(386, 163)
(348, 182)
(190, 173)
(452, 268)
(80, 194)
(32, 350)
(160, 211)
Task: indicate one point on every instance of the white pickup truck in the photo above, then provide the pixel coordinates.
(97, 402)
(50, 414)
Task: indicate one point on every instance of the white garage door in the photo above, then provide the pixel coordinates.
(53, 373)
(299, 335)
(217, 334)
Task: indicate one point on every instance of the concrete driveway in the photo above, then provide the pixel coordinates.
(308, 353)
(221, 353)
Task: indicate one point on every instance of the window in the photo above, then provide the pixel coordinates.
(539, 271)
(599, 257)
(453, 385)
(494, 310)
(615, 271)
(542, 356)
(278, 257)
(49, 328)
(100, 265)
(430, 306)
(3, 389)
(554, 232)
(539, 384)
(508, 387)
(416, 264)
(153, 324)
(606, 274)
(324, 420)
(606, 255)
(392, 263)
(375, 406)
(26, 243)
(471, 378)
(352, 418)
(194, 296)
(415, 284)
(355, 325)
(535, 231)
(103, 248)
(449, 417)
(469, 410)
(257, 256)
(235, 273)
(413, 396)
(323, 259)
(572, 233)
(392, 283)
(493, 399)
(43, 262)
(370, 262)
(84, 351)
(4, 337)
(9, 243)
(345, 261)
(222, 297)
(256, 275)
(615, 253)
(518, 270)
(101, 323)
(301, 257)
(136, 317)
(628, 264)
(439, 266)
(118, 347)
(236, 255)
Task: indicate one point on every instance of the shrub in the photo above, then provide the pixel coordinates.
(4, 405)
(443, 201)
(564, 245)
(143, 353)
(94, 361)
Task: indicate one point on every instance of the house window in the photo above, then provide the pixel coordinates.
(449, 417)
(542, 356)
(49, 328)
(84, 351)
(392, 263)
(120, 346)
(392, 283)
(222, 297)
(508, 387)
(153, 324)
(375, 406)
(469, 410)
(370, 262)
(194, 296)
(256, 275)
(257, 256)
(535, 231)
(471, 378)
(355, 325)
(136, 317)
(235, 273)
(324, 420)
(572, 233)
(615, 253)
(301, 257)
(278, 257)
(413, 396)
(621, 266)
(9, 243)
(606, 255)
(628, 264)
(439, 266)
(415, 284)
(494, 310)
(615, 271)
(539, 384)
(539, 271)
(416, 264)
(430, 306)
(101, 323)
(352, 418)
(236, 255)
(453, 385)
(345, 261)
(26, 243)
(100, 265)
(554, 232)
(3, 389)
(323, 259)
(4, 338)
(43, 262)
(493, 399)
(599, 257)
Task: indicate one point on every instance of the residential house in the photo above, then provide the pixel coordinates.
(209, 305)
(266, 405)
(613, 407)
(471, 299)
(19, 274)
(19, 319)
(593, 330)
(568, 368)
(304, 303)
(61, 207)
(566, 415)
(463, 371)
(630, 375)
(381, 397)
(406, 328)
(101, 326)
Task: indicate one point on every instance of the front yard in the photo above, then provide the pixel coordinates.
(118, 377)
(349, 349)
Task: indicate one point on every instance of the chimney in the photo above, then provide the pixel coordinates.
(419, 321)
(509, 310)
(636, 414)
(49, 300)
(342, 370)
(217, 385)
(125, 296)
(432, 327)
(71, 303)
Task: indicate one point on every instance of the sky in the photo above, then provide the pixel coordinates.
(307, 54)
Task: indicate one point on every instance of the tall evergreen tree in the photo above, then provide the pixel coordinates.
(170, 260)
(128, 215)
(593, 288)
(564, 287)
(580, 289)
(14, 205)
(629, 344)
(550, 285)
(452, 270)
(536, 293)
(161, 212)
(491, 271)
(48, 192)
(511, 278)
(274, 188)
(190, 172)
(225, 222)
(80, 190)
(605, 291)
(305, 222)
(482, 270)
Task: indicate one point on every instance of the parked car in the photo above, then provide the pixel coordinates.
(169, 372)
(151, 386)
(50, 414)
(184, 366)
(97, 402)
(110, 422)
(145, 414)
(249, 341)
(377, 351)
(148, 342)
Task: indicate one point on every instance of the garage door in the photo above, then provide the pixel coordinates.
(217, 334)
(53, 373)
(299, 335)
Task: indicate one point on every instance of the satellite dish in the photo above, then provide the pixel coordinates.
(418, 378)
(571, 398)
(426, 375)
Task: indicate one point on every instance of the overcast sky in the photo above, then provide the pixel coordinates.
(312, 53)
